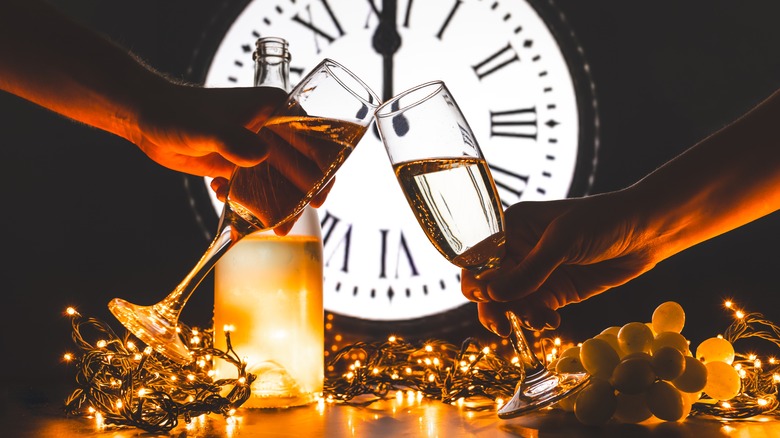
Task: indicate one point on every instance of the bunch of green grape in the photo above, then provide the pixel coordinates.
(645, 371)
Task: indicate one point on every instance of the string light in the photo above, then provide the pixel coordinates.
(118, 385)
(760, 379)
(113, 376)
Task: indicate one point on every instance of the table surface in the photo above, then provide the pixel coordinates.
(391, 418)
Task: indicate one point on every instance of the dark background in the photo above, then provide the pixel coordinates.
(88, 217)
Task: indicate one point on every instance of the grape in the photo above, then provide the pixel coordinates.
(635, 336)
(611, 330)
(567, 403)
(612, 340)
(633, 376)
(689, 399)
(632, 408)
(670, 339)
(650, 326)
(715, 349)
(598, 358)
(665, 401)
(693, 378)
(638, 355)
(668, 363)
(569, 364)
(723, 381)
(596, 403)
(571, 351)
(668, 317)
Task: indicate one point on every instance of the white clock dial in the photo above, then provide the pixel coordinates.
(509, 75)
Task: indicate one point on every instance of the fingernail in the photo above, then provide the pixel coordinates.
(479, 296)
(493, 328)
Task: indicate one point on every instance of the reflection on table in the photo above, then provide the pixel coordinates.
(397, 416)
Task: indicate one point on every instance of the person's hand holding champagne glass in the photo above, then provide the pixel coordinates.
(448, 184)
(309, 136)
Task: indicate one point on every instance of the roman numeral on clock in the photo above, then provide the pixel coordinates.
(333, 242)
(510, 184)
(308, 22)
(401, 251)
(520, 123)
(495, 62)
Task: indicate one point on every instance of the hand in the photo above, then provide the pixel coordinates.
(561, 252)
(205, 131)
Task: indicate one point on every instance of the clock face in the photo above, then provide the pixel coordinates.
(517, 75)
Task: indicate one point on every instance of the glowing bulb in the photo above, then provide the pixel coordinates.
(101, 343)
(739, 314)
(375, 371)
(762, 402)
(131, 345)
(232, 412)
(431, 378)
(776, 377)
(408, 370)
(499, 402)
(486, 350)
(190, 377)
(148, 351)
(68, 357)
(557, 342)
(391, 338)
(70, 311)
(173, 378)
(119, 404)
(728, 304)
(472, 358)
(726, 405)
(228, 328)
(428, 348)
(142, 392)
(137, 356)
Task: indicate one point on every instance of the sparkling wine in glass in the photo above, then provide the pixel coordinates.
(312, 133)
(448, 184)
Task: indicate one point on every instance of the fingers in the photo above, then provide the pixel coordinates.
(528, 275)
(220, 186)
(534, 314)
(320, 197)
(284, 229)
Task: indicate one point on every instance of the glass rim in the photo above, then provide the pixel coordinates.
(438, 84)
(329, 63)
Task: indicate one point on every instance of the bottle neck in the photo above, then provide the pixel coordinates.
(272, 63)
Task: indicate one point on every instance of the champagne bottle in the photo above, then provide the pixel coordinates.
(268, 290)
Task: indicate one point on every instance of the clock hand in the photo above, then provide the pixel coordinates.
(386, 42)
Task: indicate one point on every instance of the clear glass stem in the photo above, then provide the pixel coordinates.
(170, 307)
(156, 325)
(531, 364)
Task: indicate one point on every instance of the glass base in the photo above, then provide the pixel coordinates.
(541, 390)
(148, 325)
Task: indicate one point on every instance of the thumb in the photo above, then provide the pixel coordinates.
(528, 275)
(241, 146)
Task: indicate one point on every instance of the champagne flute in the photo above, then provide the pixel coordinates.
(448, 184)
(312, 133)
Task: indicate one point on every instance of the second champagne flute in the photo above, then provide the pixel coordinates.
(448, 184)
(312, 133)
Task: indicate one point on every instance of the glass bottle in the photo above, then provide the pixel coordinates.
(268, 290)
